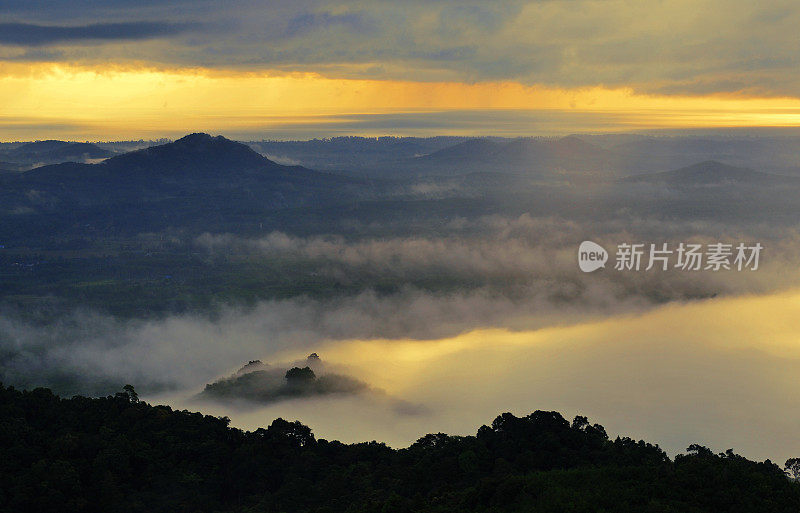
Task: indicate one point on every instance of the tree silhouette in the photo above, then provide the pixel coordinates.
(298, 376)
(128, 394)
(793, 468)
(117, 454)
(134, 397)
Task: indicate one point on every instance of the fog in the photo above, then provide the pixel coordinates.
(485, 315)
(717, 372)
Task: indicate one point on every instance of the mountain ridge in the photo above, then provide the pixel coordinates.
(527, 155)
(194, 180)
(711, 172)
(194, 152)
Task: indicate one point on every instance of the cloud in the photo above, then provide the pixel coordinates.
(27, 34)
(311, 379)
(263, 384)
(309, 22)
(280, 159)
(714, 372)
(86, 352)
(695, 48)
(525, 258)
(510, 323)
(519, 273)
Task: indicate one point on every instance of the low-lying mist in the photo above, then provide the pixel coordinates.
(717, 372)
(453, 326)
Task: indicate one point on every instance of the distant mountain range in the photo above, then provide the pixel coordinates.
(572, 158)
(445, 156)
(40, 153)
(353, 154)
(712, 172)
(607, 155)
(578, 157)
(542, 157)
(195, 164)
(203, 183)
(122, 235)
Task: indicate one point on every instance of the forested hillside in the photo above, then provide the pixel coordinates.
(120, 454)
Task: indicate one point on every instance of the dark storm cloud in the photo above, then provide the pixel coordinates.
(29, 34)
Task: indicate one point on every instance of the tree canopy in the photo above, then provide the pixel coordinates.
(118, 453)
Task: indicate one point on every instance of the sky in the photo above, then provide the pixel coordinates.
(91, 70)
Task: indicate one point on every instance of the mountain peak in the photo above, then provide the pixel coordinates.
(711, 172)
(574, 142)
(197, 152)
(199, 138)
(466, 150)
(714, 165)
(203, 140)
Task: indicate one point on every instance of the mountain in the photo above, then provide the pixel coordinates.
(568, 153)
(578, 158)
(537, 156)
(470, 150)
(184, 165)
(52, 152)
(76, 151)
(776, 155)
(195, 154)
(194, 180)
(712, 172)
(39, 147)
(377, 156)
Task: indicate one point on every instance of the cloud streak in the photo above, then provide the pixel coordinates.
(306, 23)
(28, 34)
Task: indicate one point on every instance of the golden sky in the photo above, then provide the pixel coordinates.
(316, 67)
(129, 102)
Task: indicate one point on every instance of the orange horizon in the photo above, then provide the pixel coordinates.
(133, 102)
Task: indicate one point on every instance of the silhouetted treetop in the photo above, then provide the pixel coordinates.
(117, 453)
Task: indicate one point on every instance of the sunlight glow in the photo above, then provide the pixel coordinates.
(131, 102)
